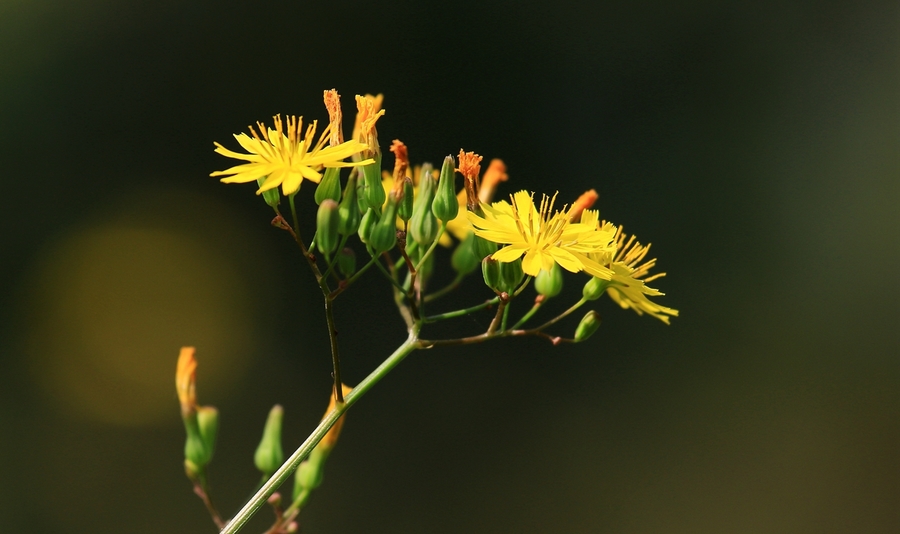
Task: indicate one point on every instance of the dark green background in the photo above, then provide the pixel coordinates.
(755, 144)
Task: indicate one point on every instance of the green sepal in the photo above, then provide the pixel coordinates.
(271, 196)
(348, 212)
(464, 260)
(374, 191)
(366, 225)
(329, 186)
(424, 225)
(490, 270)
(384, 234)
(511, 275)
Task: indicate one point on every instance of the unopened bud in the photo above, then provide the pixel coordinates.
(374, 190)
(271, 196)
(348, 212)
(445, 206)
(208, 424)
(549, 283)
(327, 222)
(511, 275)
(405, 206)
(384, 234)
(490, 269)
(423, 224)
(347, 262)
(464, 259)
(594, 288)
(329, 186)
(269, 456)
(366, 225)
(588, 325)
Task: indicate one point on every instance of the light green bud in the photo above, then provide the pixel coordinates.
(424, 225)
(549, 283)
(327, 222)
(594, 288)
(405, 206)
(588, 325)
(348, 212)
(271, 196)
(269, 456)
(329, 186)
(373, 188)
(208, 425)
(366, 225)
(445, 206)
(511, 275)
(464, 260)
(490, 269)
(384, 235)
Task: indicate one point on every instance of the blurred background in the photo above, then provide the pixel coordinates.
(754, 144)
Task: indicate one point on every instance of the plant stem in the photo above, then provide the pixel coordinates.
(444, 290)
(281, 475)
(460, 313)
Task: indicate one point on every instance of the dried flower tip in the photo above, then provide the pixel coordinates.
(469, 164)
(584, 202)
(401, 160)
(333, 105)
(495, 173)
(368, 112)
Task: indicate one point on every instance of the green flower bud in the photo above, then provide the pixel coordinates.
(384, 235)
(549, 283)
(588, 325)
(594, 288)
(271, 196)
(360, 191)
(366, 225)
(310, 473)
(511, 275)
(208, 424)
(490, 269)
(483, 248)
(405, 206)
(330, 186)
(464, 260)
(374, 190)
(269, 456)
(347, 262)
(327, 222)
(348, 212)
(195, 454)
(445, 206)
(424, 225)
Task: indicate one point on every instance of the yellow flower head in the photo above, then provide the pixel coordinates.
(544, 237)
(627, 286)
(185, 380)
(368, 112)
(335, 117)
(285, 156)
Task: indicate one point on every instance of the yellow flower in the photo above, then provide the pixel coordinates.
(186, 380)
(542, 236)
(628, 284)
(286, 157)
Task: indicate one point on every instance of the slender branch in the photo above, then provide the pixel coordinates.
(465, 311)
(281, 475)
(201, 491)
(538, 302)
(444, 290)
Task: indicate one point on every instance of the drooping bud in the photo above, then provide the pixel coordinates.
(335, 117)
(424, 225)
(594, 288)
(384, 235)
(584, 202)
(327, 223)
(348, 212)
(549, 283)
(367, 225)
(464, 259)
(271, 196)
(495, 173)
(269, 455)
(330, 186)
(588, 325)
(445, 207)
(347, 262)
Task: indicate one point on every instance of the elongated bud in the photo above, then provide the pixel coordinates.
(327, 223)
(490, 269)
(464, 259)
(594, 288)
(271, 196)
(384, 235)
(407, 195)
(511, 275)
(330, 186)
(208, 424)
(269, 456)
(423, 225)
(588, 325)
(367, 225)
(347, 262)
(549, 283)
(374, 191)
(310, 473)
(445, 206)
(348, 212)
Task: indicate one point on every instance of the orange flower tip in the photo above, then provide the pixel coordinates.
(469, 163)
(185, 378)
(495, 173)
(584, 202)
(333, 105)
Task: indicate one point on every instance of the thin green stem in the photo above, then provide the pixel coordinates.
(460, 313)
(505, 316)
(537, 305)
(281, 475)
(432, 247)
(444, 290)
(563, 315)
